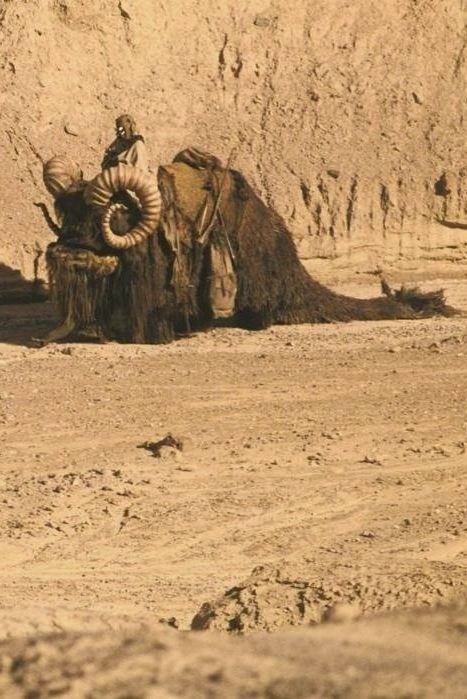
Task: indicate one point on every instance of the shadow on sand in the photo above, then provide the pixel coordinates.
(24, 310)
(14, 288)
(20, 323)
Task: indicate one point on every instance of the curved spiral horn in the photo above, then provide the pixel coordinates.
(60, 173)
(100, 191)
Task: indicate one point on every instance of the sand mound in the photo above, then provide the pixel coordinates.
(276, 596)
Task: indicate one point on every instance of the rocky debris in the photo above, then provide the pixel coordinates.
(71, 129)
(307, 593)
(167, 444)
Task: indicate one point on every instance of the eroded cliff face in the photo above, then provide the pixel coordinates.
(344, 114)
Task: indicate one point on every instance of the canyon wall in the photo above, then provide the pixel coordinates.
(346, 115)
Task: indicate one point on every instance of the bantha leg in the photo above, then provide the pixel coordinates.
(59, 333)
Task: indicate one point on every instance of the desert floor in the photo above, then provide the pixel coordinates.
(322, 475)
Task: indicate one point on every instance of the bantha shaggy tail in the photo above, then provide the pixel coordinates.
(274, 287)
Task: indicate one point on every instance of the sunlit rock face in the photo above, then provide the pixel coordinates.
(347, 116)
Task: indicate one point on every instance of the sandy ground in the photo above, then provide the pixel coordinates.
(323, 471)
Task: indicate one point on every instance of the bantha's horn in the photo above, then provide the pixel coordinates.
(100, 190)
(60, 173)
